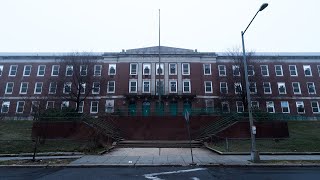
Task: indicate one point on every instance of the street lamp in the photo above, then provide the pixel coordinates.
(254, 153)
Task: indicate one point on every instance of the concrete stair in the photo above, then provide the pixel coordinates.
(159, 144)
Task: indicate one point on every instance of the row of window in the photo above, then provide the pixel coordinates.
(270, 106)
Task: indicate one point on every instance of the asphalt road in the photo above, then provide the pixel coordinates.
(158, 173)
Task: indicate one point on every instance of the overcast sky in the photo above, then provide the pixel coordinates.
(110, 26)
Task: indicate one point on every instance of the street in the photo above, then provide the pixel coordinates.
(158, 173)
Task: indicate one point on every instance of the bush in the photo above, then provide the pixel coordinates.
(66, 114)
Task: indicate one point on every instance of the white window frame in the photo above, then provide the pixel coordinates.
(263, 71)
(222, 70)
(297, 106)
(51, 87)
(240, 107)
(183, 69)
(204, 69)
(313, 107)
(146, 66)
(25, 68)
(81, 106)
(285, 104)
(234, 67)
(306, 67)
(96, 88)
(42, 69)
(22, 86)
(269, 87)
(278, 70)
(7, 86)
(183, 86)
(255, 104)
(295, 70)
(83, 88)
(161, 67)
(36, 86)
(131, 69)
(318, 67)
(5, 103)
(96, 106)
(175, 68)
(254, 86)
(114, 66)
(130, 85)
(11, 70)
(171, 83)
(314, 87)
(210, 86)
(1, 70)
(227, 104)
(55, 70)
(235, 87)
(250, 70)
(97, 71)
(49, 102)
(83, 70)
(65, 85)
(143, 85)
(71, 69)
(34, 104)
(282, 84)
(114, 87)
(64, 104)
(226, 87)
(271, 105)
(293, 88)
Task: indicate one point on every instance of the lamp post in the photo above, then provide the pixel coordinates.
(254, 153)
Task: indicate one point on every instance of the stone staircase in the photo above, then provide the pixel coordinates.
(159, 144)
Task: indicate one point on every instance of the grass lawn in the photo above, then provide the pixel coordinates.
(15, 137)
(304, 137)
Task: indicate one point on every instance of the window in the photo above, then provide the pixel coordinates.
(264, 70)
(111, 87)
(109, 106)
(38, 88)
(81, 105)
(300, 107)
(55, 70)
(307, 70)
(222, 70)
(83, 70)
(253, 88)
(35, 106)
(97, 70)
(133, 69)
(172, 69)
(112, 69)
(94, 107)
(223, 88)
(146, 86)
(69, 70)
(173, 86)
(236, 70)
(24, 88)
(159, 87)
(186, 86)
(52, 87)
(278, 69)
(132, 86)
(9, 88)
(282, 88)
(315, 106)
(82, 87)
(250, 70)
(5, 106)
(208, 86)
(41, 70)
(267, 88)
(296, 88)
(185, 69)
(293, 70)
(64, 104)
(270, 107)
(311, 88)
(67, 88)
(50, 105)
(207, 69)
(317, 67)
(146, 69)
(96, 88)
(237, 88)
(20, 107)
(285, 107)
(1, 70)
(159, 69)
(254, 104)
(225, 107)
(240, 107)
(13, 70)
(209, 105)
(27, 70)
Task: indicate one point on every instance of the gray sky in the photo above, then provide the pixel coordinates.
(113, 25)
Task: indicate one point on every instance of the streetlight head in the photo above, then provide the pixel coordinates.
(263, 6)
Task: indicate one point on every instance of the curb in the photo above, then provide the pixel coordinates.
(43, 154)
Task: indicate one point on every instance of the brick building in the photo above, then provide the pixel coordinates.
(136, 84)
